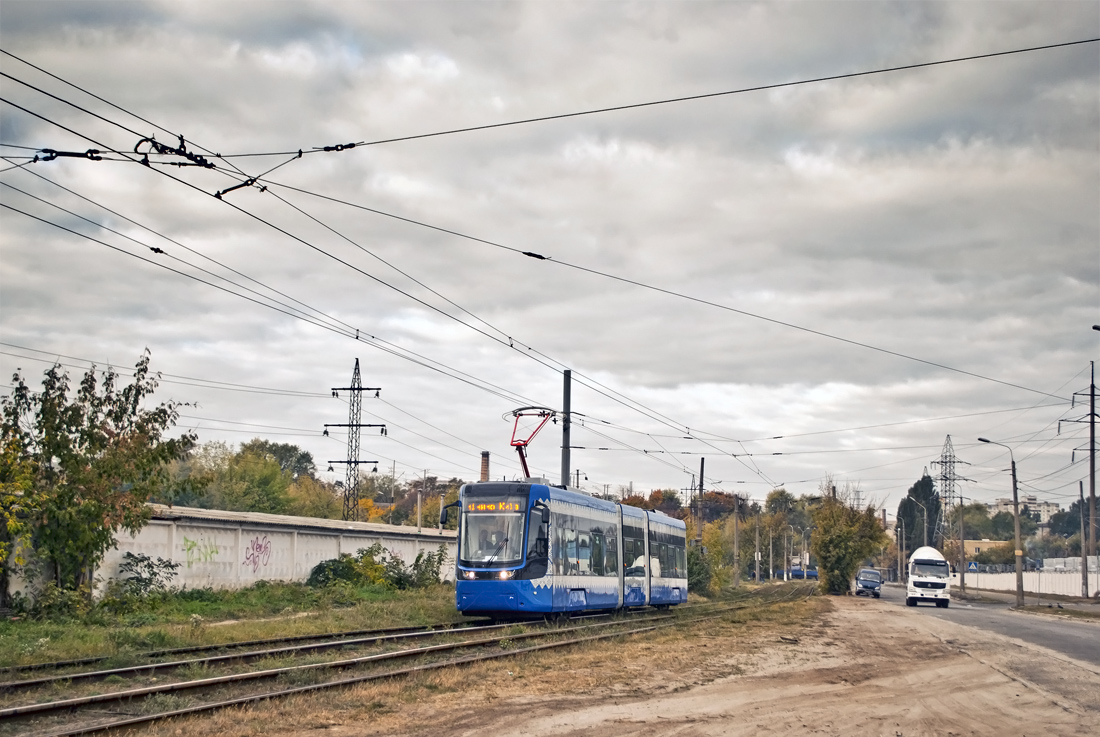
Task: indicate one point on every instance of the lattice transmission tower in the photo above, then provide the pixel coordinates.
(355, 413)
(947, 488)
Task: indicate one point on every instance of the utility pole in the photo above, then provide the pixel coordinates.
(771, 557)
(901, 549)
(567, 387)
(1084, 551)
(736, 543)
(1091, 528)
(962, 548)
(699, 503)
(419, 494)
(355, 411)
(393, 489)
(757, 556)
(1019, 545)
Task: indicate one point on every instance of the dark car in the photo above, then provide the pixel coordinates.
(869, 582)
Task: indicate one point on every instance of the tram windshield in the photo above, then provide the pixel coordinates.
(492, 530)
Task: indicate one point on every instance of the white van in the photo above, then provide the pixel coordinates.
(929, 578)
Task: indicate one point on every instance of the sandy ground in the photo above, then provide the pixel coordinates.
(828, 666)
(867, 668)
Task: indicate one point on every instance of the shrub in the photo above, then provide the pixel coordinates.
(375, 566)
(699, 571)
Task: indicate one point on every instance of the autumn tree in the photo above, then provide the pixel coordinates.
(843, 537)
(77, 469)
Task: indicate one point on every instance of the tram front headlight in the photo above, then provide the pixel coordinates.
(505, 575)
(469, 575)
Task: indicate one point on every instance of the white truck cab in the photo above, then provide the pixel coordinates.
(929, 578)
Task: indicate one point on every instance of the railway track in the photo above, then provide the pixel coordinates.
(70, 704)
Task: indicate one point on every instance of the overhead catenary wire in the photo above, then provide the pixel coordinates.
(702, 96)
(669, 292)
(501, 341)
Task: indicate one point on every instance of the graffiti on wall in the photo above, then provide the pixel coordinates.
(199, 551)
(258, 553)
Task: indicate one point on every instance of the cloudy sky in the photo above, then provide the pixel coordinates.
(861, 266)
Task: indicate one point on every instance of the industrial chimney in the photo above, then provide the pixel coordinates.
(484, 465)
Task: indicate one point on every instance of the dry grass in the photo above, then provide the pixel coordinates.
(450, 700)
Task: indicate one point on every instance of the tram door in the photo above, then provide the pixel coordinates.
(635, 561)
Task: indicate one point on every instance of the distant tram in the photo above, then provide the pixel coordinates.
(529, 549)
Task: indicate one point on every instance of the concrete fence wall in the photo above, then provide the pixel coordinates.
(1066, 583)
(226, 550)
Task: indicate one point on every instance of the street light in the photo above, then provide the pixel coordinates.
(925, 510)
(1016, 520)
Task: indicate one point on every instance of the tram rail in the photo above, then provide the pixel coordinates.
(69, 716)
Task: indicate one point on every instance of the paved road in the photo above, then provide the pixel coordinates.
(1079, 640)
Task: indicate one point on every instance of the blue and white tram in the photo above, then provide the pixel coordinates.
(531, 549)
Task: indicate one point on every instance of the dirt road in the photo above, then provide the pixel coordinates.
(858, 667)
(866, 669)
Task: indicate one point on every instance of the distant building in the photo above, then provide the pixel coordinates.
(973, 547)
(1045, 510)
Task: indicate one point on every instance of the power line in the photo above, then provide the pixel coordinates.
(611, 276)
(703, 96)
(634, 282)
(345, 263)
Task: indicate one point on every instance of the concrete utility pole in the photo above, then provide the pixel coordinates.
(1084, 550)
(962, 548)
(1092, 458)
(566, 409)
(736, 544)
(699, 503)
(771, 556)
(901, 549)
(757, 556)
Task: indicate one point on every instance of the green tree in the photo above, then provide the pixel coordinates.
(308, 497)
(291, 459)
(842, 539)
(921, 498)
(1004, 526)
(93, 460)
(251, 483)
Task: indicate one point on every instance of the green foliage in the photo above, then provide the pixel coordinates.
(54, 603)
(145, 576)
(997, 555)
(93, 460)
(363, 568)
(922, 496)
(308, 497)
(699, 571)
(292, 460)
(375, 566)
(841, 540)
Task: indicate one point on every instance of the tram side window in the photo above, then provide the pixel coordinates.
(584, 553)
(611, 558)
(681, 563)
(536, 536)
(559, 552)
(598, 552)
(571, 559)
(634, 557)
